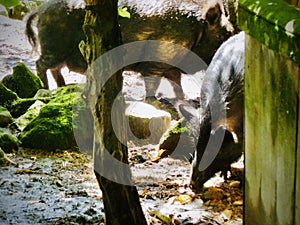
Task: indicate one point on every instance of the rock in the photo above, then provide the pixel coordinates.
(8, 142)
(53, 126)
(7, 96)
(146, 122)
(133, 79)
(30, 114)
(5, 117)
(4, 160)
(164, 105)
(177, 141)
(23, 81)
(54, 123)
(43, 93)
(3, 11)
(19, 107)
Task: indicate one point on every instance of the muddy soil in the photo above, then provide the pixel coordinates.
(60, 187)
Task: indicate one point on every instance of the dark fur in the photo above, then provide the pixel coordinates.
(222, 96)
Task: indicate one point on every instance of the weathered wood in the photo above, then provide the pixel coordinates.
(297, 176)
(271, 108)
(272, 74)
(121, 202)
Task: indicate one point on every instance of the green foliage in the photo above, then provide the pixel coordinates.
(9, 3)
(123, 12)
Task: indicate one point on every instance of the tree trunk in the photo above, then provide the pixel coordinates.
(121, 202)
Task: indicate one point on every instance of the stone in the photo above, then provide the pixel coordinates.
(7, 96)
(5, 161)
(5, 117)
(177, 141)
(30, 114)
(146, 122)
(54, 124)
(23, 81)
(8, 142)
(3, 11)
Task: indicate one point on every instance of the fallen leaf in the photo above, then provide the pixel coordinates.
(183, 199)
(23, 171)
(235, 184)
(213, 194)
(161, 154)
(166, 219)
(227, 213)
(238, 203)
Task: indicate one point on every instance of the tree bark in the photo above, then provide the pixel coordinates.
(121, 201)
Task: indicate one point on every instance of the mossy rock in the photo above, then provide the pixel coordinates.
(146, 122)
(3, 11)
(5, 117)
(23, 81)
(51, 129)
(7, 96)
(54, 123)
(30, 114)
(2, 157)
(43, 93)
(8, 142)
(177, 141)
(5, 161)
(20, 106)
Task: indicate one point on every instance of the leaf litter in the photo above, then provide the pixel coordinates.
(60, 188)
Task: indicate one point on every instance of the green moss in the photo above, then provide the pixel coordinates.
(20, 107)
(7, 96)
(275, 24)
(8, 142)
(174, 132)
(23, 81)
(181, 127)
(51, 130)
(30, 114)
(2, 158)
(139, 126)
(5, 117)
(53, 127)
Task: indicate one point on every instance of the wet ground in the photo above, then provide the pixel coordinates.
(60, 187)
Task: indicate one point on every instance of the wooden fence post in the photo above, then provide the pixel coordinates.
(272, 155)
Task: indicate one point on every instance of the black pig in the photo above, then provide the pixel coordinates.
(59, 34)
(220, 140)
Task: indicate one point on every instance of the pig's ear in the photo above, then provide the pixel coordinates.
(213, 14)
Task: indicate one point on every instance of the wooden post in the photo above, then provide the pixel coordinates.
(272, 73)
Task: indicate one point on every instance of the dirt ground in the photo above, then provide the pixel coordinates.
(60, 188)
